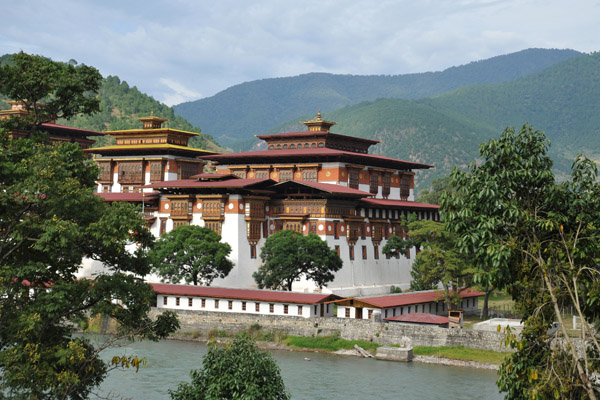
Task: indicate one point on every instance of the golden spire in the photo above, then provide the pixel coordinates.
(318, 124)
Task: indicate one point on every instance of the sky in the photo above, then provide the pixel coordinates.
(177, 51)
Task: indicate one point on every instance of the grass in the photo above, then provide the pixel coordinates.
(328, 343)
(462, 353)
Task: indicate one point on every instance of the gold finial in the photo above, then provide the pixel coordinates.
(319, 116)
(152, 113)
(318, 124)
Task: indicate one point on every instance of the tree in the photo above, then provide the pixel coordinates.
(541, 240)
(287, 256)
(433, 195)
(65, 89)
(236, 370)
(437, 261)
(49, 220)
(191, 253)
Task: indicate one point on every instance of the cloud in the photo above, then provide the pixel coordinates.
(178, 50)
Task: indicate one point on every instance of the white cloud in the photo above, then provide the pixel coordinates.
(177, 50)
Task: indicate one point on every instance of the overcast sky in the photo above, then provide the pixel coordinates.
(178, 50)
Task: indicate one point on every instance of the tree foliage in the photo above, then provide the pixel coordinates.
(192, 254)
(236, 371)
(288, 256)
(438, 261)
(65, 89)
(541, 240)
(49, 221)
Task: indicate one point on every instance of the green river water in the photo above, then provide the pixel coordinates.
(325, 376)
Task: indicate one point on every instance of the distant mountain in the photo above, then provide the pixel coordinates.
(562, 100)
(234, 115)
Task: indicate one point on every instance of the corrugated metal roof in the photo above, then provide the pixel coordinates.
(243, 294)
(404, 299)
(399, 203)
(128, 196)
(364, 158)
(420, 318)
(194, 183)
(328, 187)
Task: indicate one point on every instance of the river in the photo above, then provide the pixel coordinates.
(325, 376)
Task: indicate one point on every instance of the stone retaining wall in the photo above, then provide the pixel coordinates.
(200, 323)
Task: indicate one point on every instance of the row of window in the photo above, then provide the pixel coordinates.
(244, 305)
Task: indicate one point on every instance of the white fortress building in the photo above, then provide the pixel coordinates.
(312, 181)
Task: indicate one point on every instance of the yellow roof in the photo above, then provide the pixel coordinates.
(148, 146)
(157, 130)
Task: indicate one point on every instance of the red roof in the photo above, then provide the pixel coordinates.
(243, 294)
(312, 153)
(400, 204)
(217, 176)
(328, 187)
(128, 196)
(404, 299)
(87, 132)
(193, 183)
(315, 134)
(420, 318)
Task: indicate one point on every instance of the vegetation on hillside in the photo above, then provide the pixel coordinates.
(256, 107)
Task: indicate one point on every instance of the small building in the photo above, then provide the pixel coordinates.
(427, 302)
(247, 301)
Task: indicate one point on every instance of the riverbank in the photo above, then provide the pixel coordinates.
(349, 351)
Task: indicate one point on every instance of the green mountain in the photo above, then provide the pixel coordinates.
(235, 114)
(121, 105)
(562, 100)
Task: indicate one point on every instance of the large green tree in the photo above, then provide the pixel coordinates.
(49, 221)
(236, 371)
(48, 90)
(541, 240)
(191, 253)
(288, 256)
(438, 261)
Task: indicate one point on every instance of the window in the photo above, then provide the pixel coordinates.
(253, 251)
(230, 305)
(285, 308)
(409, 309)
(165, 300)
(271, 308)
(370, 313)
(316, 310)
(257, 307)
(299, 310)
(216, 303)
(376, 252)
(374, 182)
(393, 312)
(203, 303)
(190, 301)
(337, 250)
(386, 312)
(405, 187)
(347, 312)
(176, 301)
(336, 227)
(351, 249)
(327, 308)
(353, 178)
(243, 306)
(364, 252)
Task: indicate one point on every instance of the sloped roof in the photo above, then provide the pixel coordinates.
(420, 318)
(243, 294)
(326, 187)
(404, 299)
(194, 183)
(135, 197)
(388, 203)
(314, 154)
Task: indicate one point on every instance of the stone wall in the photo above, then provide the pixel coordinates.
(200, 323)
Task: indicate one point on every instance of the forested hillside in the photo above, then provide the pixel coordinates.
(562, 100)
(234, 115)
(445, 131)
